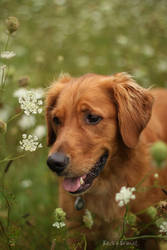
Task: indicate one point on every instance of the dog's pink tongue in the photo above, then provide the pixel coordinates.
(71, 184)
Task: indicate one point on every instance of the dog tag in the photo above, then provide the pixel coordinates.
(79, 203)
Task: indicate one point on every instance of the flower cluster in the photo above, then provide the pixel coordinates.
(58, 224)
(7, 54)
(12, 24)
(125, 195)
(163, 227)
(60, 216)
(88, 219)
(30, 103)
(30, 143)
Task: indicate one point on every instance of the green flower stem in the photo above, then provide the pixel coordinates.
(124, 223)
(2, 79)
(146, 237)
(5, 234)
(14, 117)
(144, 178)
(7, 42)
(11, 159)
(6, 74)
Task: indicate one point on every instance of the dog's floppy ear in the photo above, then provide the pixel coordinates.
(51, 99)
(134, 106)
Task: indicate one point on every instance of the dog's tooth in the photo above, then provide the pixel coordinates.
(81, 180)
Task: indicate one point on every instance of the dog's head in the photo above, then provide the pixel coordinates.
(87, 117)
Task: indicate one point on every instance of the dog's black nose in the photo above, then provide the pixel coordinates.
(57, 162)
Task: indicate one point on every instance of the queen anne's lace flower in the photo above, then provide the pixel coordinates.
(30, 143)
(163, 227)
(7, 54)
(30, 103)
(125, 195)
(58, 224)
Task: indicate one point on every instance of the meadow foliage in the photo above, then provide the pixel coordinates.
(40, 39)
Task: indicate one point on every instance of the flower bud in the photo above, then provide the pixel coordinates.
(12, 24)
(88, 219)
(23, 81)
(152, 212)
(159, 152)
(131, 219)
(3, 127)
(59, 214)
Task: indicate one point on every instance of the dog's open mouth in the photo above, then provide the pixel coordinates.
(80, 184)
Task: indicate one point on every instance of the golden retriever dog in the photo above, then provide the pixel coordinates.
(100, 129)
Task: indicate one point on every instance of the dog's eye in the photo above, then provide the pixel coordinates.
(93, 119)
(56, 120)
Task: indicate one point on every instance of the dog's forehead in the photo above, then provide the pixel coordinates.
(88, 91)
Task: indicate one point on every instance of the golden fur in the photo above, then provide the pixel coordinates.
(129, 126)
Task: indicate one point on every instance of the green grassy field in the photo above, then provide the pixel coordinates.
(54, 37)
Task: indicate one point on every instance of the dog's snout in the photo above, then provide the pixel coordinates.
(57, 162)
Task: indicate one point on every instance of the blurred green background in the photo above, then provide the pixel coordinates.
(74, 36)
(89, 36)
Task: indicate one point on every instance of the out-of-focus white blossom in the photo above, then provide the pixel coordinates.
(60, 2)
(30, 143)
(26, 183)
(162, 66)
(39, 93)
(82, 61)
(30, 103)
(7, 54)
(163, 227)
(40, 131)
(19, 92)
(156, 175)
(5, 113)
(27, 122)
(148, 50)
(123, 40)
(125, 195)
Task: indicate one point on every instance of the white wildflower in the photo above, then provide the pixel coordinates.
(125, 195)
(7, 54)
(58, 224)
(26, 183)
(30, 103)
(29, 143)
(39, 93)
(40, 131)
(163, 227)
(26, 122)
(20, 92)
(5, 113)
(156, 175)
